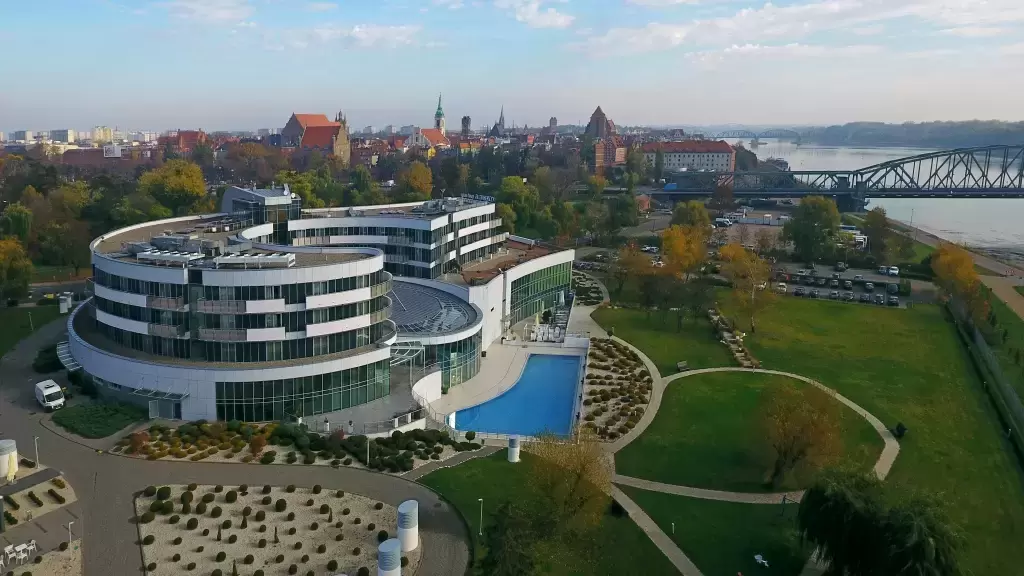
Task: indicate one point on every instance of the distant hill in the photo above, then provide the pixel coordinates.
(921, 135)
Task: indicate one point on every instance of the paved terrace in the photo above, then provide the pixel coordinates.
(484, 271)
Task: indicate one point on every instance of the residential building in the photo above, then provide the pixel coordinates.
(3, 137)
(467, 126)
(22, 135)
(183, 141)
(428, 138)
(407, 130)
(692, 155)
(101, 134)
(608, 152)
(267, 311)
(65, 135)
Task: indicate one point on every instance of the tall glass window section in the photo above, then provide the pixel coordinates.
(538, 291)
(459, 361)
(267, 400)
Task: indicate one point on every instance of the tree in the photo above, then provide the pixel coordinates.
(415, 183)
(691, 213)
(801, 427)
(178, 185)
(636, 163)
(462, 181)
(510, 539)
(622, 213)
(596, 185)
(522, 198)
(659, 164)
(256, 445)
(67, 202)
(300, 184)
(749, 275)
(450, 169)
(15, 270)
(898, 248)
(631, 263)
(921, 539)
(721, 198)
(813, 227)
(683, 249)
(876, 228)
(955, 274)
(508, 217)
(743, 234)
(202, 155)
(16, 221)
(764, 240)
(573, 478)
(65, 244)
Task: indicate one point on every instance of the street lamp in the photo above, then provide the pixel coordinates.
(480, 531)
(70, 538)
(35, 442)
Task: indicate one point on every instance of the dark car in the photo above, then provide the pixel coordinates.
(833, 295)
(815, 293)
(834, 284)
(893, 288)
(879, 299)
(849, 297)
(799, 291)
(865, 297)
(822, 281)
(847, 285)
(894, 301)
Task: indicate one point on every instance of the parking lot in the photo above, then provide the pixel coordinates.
(858, 286)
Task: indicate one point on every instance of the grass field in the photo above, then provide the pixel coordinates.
(616, 548)
(1019, 289)
(41, 273)
(707, 435)
(656, 336)
(17, 325)
(99, 419)
(1006, 351)
(908, 366)
(722, 538)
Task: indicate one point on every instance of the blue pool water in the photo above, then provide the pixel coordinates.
(541, 401)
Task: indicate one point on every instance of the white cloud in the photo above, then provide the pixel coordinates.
(786, 51)
(321, 6)
(535, 15)
(661, 3)
(359, 36)
(974, 31)
(212, 11)
(871, 30)
(449, 4)
(1012, 49)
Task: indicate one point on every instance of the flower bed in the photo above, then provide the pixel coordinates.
(617, 389)
(289, 444)
(316, 530)
(33, 502)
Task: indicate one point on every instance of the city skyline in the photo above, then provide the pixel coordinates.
(248, 64)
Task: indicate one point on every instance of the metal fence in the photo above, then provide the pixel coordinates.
(995, 381)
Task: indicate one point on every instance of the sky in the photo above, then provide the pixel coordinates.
(248, 64)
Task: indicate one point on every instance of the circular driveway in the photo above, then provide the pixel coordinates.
(105, 483)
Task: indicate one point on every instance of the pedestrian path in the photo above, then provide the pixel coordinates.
(705, 494)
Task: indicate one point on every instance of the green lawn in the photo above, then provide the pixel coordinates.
(616, 548)
(908, 366)
(656, 336)
(1019, 289)
(706, 434)
(99, 419)
(1006, 351)
(17, 324)
(722, 538)
(42, 273)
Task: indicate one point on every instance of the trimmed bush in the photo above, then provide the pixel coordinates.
(314, 526)
(382, 535)
(262, 543)
(249, 559)
(266, 500)
(221, 556)
(149, 492)
(243, 488)
(163, 493)
(166, 507)
(280, 505)
(206, 532)
(173, 519)
(298, 546)
(363, 571)
(279, 558)
(332, 565)
(232, 539)
(147, 517)
(258, 573)
(218, 572)
(309, 502)
(357, 521)
(378, 506)
(470, 436)
(370, 527)
(218, 488)
(156, 506)
(340, 494)
(356, 551)
(291, 531)
(176, 558)
(262, 528)
(345, 511)
(201, 508)
(208, 497)
(293, 569)
(339, 537)
(192, 524)
(291, 516)
(191, 566)
(324, 508)
(216, 512)
(290, 488)
(149, 540)
(226, 524)
(266, 489)
(405, 561)
(186, 508)
(63, 546)
(176, 541)
(151, 566)
(231, 497)
(260, 515)
(317, 489)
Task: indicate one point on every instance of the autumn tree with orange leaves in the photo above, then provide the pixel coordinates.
(802, 428)
(750, 275)
(955, 274)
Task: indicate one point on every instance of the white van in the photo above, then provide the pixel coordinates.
(49, 395)
(723, 222)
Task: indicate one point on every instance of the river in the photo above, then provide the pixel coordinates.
(977, 222)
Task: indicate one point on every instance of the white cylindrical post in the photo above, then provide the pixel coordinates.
(389, 558)
(513, 449)
(409, 525)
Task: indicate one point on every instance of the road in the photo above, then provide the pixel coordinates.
(105, 483)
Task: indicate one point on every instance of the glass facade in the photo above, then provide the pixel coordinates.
(459, 361)
(538, 291)
(267, 400)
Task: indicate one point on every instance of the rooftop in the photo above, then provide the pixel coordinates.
(428, 210)
(422, 310)
(515, 253)
(689, 146)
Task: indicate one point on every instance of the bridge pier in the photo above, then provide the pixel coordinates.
(849, 203)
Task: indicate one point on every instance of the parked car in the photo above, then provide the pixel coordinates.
(894, 301)
(894, 271)
(847, 285)
(833, 284)
(799, 291)
(813, 271)
(892, 288)
(869, 286)
(879, 299)
(858, 277)
(865, 297)
(833, 295)
(883, 270)
(781, 288)
(822, 281)
(849, 296)
(801, 272)
(841, 266)
(815, 293)
(836, 275)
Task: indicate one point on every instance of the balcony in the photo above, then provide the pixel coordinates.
(380, 315)
(168, 331)
(222, 335)
(382, 288)
(166, 303)
(220, 306)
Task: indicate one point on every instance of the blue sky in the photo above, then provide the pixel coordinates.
(245, 64)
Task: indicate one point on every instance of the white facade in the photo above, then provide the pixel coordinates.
(694, 160)
(22, 135)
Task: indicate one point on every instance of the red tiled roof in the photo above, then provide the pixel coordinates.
(307, 120)
(435, 137)
(319, 136)
(689, 146)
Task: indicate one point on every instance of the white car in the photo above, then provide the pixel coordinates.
(781, 288)
(894, 271)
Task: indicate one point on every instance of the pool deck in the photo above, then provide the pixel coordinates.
(498, 372)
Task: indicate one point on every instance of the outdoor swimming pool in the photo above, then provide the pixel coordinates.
(540, 401)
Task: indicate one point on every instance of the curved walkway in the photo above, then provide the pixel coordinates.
(105, 483)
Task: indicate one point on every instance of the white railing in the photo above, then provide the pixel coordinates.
(577, 403)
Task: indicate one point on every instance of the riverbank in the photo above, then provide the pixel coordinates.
(996, 261)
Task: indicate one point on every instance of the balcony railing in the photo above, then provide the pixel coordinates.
(382, 288)
(168, 331)
(165, 303)
(222, 335)
(380, 315)
(220, 306)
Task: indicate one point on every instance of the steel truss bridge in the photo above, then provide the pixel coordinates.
(981, 172)
(779, 133)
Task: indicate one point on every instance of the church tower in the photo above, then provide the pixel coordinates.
(501, 121)
(342, 144)
(439, 116)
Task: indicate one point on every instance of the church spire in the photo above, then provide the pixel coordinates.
(501, 119)
(440, 112)
(439, 116)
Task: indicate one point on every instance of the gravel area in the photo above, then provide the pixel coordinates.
(66, 563)
(308, 528)
(617, 389)
(27, 507)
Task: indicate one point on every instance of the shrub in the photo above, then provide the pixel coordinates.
(192, 524)
(435, 456)
(291, 516)
(314, 526)
(249, 559)
(470, 435)
(147, 517)
(63, 546)
(174, 519)
(206, 532)
(216, 512)
(11, 502)
(378, 506)
(291, 531)
(247, 511)
(262, 543)
(370, 526)
(231, 497)
(221, 556)
(218, 488)
(280, 505)
(208, 497)
(186, 497)
(232, 539)
(279, 558)
(332, 565)
(298, 546)
(363, 571)
(176, 541)
(345, 511)
(356, 551)
(226, 524)
(266, 489)
(201, 508)
(149, 492)
(324, 508)
(317, 489)
(339, 537)
(151, 566)
(405, 561)
(191, 566)
(268, 458)
(163, 493)
(382, 535)
(176, 558)
(309, 502)
(260, 516)
(347, 461)
(357, 521)
(267, 500)
(166, 507)
(293, 569)
(149, 540)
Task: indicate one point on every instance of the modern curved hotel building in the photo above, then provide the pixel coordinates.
(267, 311)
